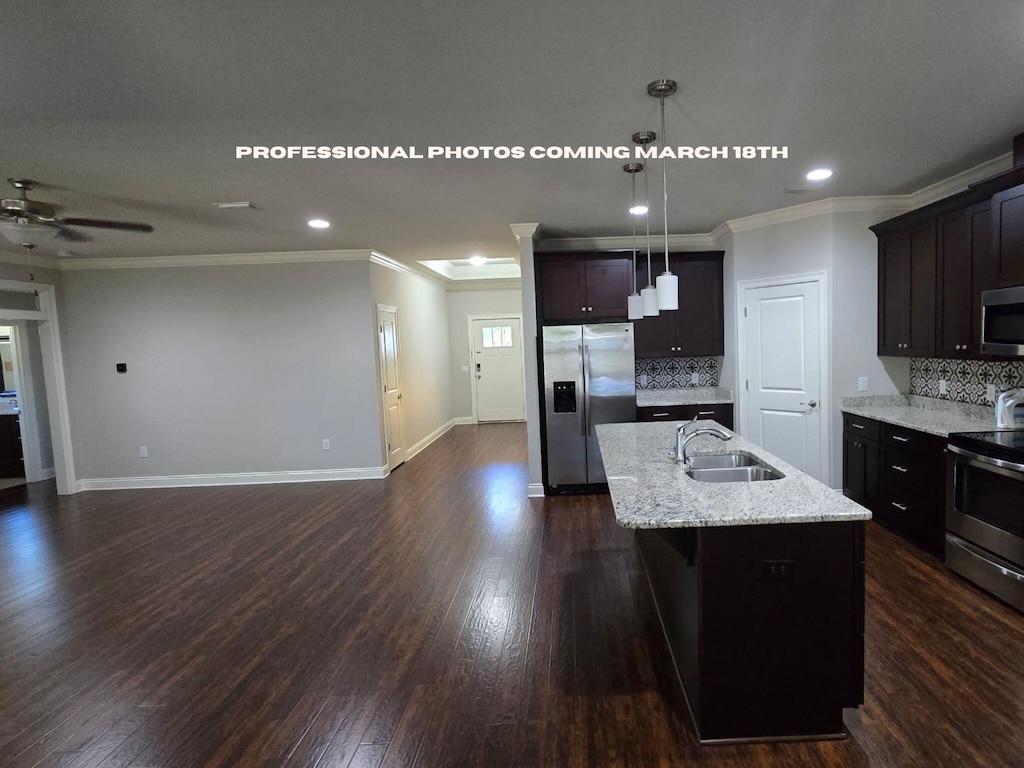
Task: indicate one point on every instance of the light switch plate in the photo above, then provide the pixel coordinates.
(990, 392)
(943, 386)
(643, 379)
(695, 378)
(862, 384)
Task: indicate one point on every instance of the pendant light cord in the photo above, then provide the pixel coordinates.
(632, 216)
(647, 218)
(664, 178)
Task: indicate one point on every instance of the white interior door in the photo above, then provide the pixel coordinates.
(497, 369)
(783, 372)
(387, 328)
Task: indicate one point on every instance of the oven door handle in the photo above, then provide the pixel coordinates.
(1008, 468)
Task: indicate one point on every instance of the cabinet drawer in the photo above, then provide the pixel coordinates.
(905, 468)
(859, 425)
(903, 508)
(906, 439)
(720, 412)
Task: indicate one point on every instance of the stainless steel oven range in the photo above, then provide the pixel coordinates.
(985, 511)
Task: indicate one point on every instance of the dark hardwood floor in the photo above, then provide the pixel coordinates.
(437, 618)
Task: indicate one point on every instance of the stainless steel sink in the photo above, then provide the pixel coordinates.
(724, 461)
(748, 474)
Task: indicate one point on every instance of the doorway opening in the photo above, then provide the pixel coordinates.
(497, 371)
(783, 369)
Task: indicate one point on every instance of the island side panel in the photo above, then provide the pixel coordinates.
(669, 558)
(781, 651)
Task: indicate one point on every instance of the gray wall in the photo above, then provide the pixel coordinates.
(230, 369)
(842, 246)
(462, 304)
(424, 371)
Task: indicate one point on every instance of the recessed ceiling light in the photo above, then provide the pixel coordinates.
(477, 261)
(319, 223)
(638, 210)
(819, 174)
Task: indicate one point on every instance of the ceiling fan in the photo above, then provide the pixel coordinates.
(29, 222)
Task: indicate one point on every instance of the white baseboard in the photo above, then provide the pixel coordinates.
(48, 474)
(535, 491)
(464, 420)
(237, 478)
(420, 445)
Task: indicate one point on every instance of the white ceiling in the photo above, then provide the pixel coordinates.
(132, 110)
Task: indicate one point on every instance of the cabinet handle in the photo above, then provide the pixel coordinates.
(900, 507)
(856, 426)
(901, 439)
(899, 468)
(660, 414)
(590, 309)
(705, 413)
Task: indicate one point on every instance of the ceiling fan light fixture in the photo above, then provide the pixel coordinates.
(21, 232)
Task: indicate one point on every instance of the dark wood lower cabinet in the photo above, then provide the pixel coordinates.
(897, 474)
(720, 412)
(12, 460)
(763, 656)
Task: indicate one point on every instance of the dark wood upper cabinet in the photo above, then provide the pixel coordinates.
(697, 328)
(700, 326)
(906, 292)
(1007, 214)
(953, 316)
(893, 293)
(608, 284)
(984, 272)
(563, 290)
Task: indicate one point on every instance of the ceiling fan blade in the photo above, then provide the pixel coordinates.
(128, 226)
(71, 236)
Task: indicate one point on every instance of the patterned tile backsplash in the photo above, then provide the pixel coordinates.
(673, 372)
(965, 379)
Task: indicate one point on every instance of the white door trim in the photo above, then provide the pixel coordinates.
(380, 378)
(824, 372)
(53, 375)
(472, 353)
(26, 405)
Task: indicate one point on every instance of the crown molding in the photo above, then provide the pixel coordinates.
(697, 242)
(958, 182)
(524, 230)
(38, 260)
(485, 285)
(215, 260)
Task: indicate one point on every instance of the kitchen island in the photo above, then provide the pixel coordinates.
(759, 585)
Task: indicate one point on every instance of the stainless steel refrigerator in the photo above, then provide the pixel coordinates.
(588, 380)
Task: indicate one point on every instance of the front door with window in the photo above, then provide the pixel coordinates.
(497, 369)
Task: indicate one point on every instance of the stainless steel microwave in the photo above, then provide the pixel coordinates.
(1002, 321)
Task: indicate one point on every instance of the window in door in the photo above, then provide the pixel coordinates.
(496, 336)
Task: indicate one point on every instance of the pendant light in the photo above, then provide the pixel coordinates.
(634, 304)
(668, 284)
(649, 295)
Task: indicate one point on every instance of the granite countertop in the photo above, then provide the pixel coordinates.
(682, 396)
(925, 414)
(649, 490)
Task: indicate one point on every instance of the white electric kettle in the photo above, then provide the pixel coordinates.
(1005, 405)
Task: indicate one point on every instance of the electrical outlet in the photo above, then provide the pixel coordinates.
(643, 379)
(695, 378)
(143, 452)
(943, 386)
(326, 444)
(990, 392)
(862, 384)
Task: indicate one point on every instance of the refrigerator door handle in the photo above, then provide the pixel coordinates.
(586, 389)
(582, 381)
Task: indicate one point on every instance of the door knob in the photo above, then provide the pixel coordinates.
(811, 404)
